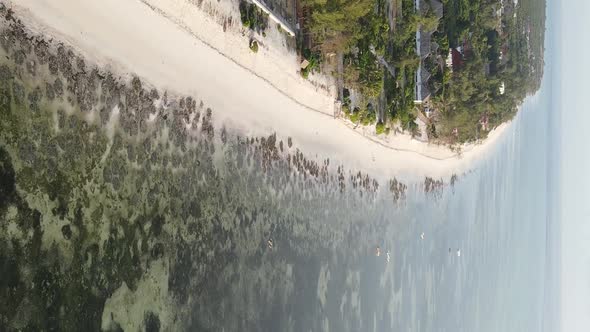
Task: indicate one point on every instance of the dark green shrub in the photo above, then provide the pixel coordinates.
(254, 46)
(253, 18)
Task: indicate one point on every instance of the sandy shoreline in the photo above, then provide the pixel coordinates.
(249, 92)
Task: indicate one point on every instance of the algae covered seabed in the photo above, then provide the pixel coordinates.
(124, 208)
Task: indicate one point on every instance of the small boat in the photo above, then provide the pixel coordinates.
(378, 251)
(422, 236)
(458, 252)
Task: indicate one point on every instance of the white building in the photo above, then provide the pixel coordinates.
(449, 61)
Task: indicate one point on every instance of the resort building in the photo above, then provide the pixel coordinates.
(425, 47)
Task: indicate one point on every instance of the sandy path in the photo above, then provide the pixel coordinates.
(129, 36)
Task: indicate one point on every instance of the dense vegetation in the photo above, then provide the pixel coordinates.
(498, 51)
(357, 31)
(399, 90)
(500, 60)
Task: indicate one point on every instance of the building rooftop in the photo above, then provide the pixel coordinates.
(425, 47)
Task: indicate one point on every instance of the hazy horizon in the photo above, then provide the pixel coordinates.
(573, 71)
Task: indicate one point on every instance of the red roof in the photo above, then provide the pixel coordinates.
(457, 59)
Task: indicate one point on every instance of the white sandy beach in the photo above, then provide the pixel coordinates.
(173, 45)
